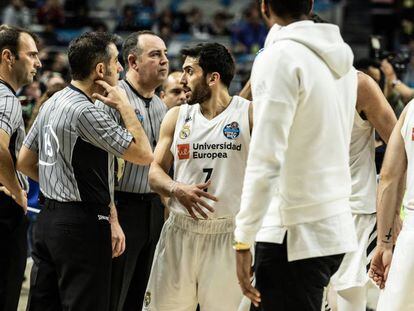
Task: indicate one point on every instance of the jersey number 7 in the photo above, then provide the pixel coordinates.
(209, 172)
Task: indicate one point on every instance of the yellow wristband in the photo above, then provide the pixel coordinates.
(240, 246)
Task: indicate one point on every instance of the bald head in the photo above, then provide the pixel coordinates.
(172, 91)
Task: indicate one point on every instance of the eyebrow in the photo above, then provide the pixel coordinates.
(188, 66)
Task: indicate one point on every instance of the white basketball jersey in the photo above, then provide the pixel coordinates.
(213, 149)
(362, 165)
(407, 132)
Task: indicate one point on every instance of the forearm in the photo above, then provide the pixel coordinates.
(131, 122)
(160, 181)
(113, 213)
(406, 92)
(8, 176)
(389, 199)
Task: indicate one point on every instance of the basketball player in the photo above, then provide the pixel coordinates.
(207, 141)
(372, 113)
(295, 200)
(392, 271)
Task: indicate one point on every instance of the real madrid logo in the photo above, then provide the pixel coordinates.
(185, 131)
(147, 299)
(232, 130)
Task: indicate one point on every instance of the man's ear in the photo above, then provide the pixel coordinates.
(132, 61)
(162, 94)
(7, 57)
(100, 70)
(213, 78)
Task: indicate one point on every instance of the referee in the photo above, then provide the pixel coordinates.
(73, 141)
(140, 211)
(18, 65)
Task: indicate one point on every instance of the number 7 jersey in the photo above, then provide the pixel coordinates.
(213, 149)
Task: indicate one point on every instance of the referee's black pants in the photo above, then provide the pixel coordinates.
(141, 217)
(72, 257)
(13, 252)
(291, 286)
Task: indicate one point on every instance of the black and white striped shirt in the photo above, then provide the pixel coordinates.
(150, 111)
(11, 121)
(73, 137)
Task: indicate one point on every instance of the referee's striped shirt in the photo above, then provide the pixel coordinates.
(11, 121)
(150, 111)
(72, 138)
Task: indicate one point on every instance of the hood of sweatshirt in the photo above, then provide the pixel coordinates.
(325, 40)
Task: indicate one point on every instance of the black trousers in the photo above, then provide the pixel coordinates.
(13, 252)
(72, 257)
(141, 217)
(291, 286)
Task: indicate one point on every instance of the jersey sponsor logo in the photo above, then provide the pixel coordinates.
(232, 130)
(50, 147)
(183, 151)
(185, 131)
(139, 115)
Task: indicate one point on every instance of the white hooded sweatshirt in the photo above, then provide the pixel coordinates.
(297, 177)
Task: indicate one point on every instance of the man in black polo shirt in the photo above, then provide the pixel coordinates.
(74, 142)
(18, 65)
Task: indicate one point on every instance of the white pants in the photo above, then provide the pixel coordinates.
(353, 270)
(398, 294)
(194, 263)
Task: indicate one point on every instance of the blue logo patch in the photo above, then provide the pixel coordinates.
(232, 130)
(139, 115)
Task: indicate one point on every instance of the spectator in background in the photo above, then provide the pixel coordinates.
(127, 21)
(16, 14)
(51, 13)
(219, 26)
(250, 33)
(408, 77)
(145, 15)
(172, 91)
(195, 19)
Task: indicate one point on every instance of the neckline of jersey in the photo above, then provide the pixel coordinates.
(145, 99)
(71, 86)
(219, 116)
(8, 86)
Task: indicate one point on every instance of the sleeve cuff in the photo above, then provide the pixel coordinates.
(244, 237)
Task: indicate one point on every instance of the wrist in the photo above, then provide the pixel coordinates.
(395, 82)
(172, 188)
(240, 246)
(385, 244)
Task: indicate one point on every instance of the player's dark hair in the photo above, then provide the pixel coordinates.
(86, 51)
(290, 8)
(213, 57)
(131, 45)
(9, 39)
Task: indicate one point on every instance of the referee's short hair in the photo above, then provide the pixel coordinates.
(290, 8)
(9, 39)
(86, 51)
(213, 57)
(131, 45)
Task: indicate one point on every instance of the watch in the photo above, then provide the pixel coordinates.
(240, 246)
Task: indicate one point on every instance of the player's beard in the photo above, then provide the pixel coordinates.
(200, 93)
